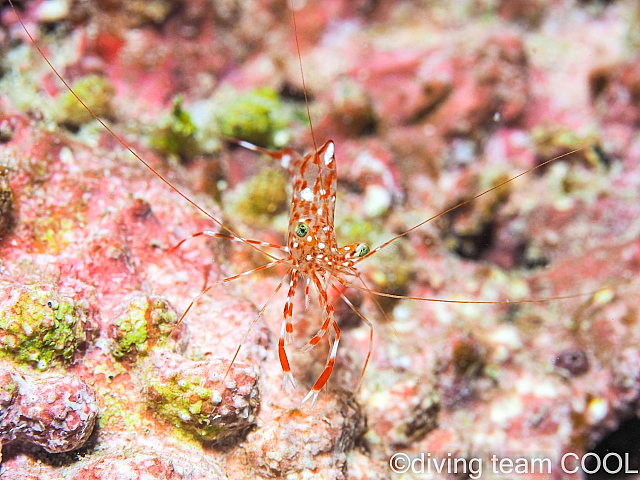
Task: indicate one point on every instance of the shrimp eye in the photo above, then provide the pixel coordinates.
(362, 250)
(301, 230)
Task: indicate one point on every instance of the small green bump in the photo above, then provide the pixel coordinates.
(146, 323)
(39, 326)
(253, 116)
(352, 230)
(176, 134)
(263, 196)
(184, 405)
(97, 92)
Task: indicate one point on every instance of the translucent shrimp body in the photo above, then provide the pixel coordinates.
(312, 247)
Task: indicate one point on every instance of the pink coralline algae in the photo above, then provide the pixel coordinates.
(405, 413)
(297, 443)
(143, 465)
(52, 411)
(429, 104)
(615, 90)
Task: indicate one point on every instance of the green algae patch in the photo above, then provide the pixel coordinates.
(185, 404)
(177, 134)
(205, 401)
(39, 326)
(147, 322)
(254, 116)
(97, 92)
(121, 411)
(264, 196)
(352, 230)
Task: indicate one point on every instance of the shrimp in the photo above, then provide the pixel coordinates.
(312, 252)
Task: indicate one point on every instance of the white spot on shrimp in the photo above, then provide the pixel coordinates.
(325, 229)
(248, 145)
(309, 238)
(333, 199)
(309, 257)
(328, 154)
(285, 160)
(295, 244)
(321, 245)
(346, 249)
(320, 211)
(307, 194)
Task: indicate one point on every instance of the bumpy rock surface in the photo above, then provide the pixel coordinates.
(146, 322)
(144, 465)
(299, 444)
(201, 397)
(429, 104)
(57, 413)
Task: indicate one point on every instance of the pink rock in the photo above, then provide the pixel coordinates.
(143, 465)
(52, 411)
(298, 444)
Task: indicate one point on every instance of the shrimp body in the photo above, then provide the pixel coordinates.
(313, 249)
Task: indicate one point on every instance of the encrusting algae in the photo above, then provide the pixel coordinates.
(39, 326)
(146, 323)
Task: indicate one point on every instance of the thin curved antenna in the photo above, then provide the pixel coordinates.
(377, 249)
(209, 233)
(122, 142)
(255, 320)
(226, 280)
(481, 302)
(304, 85)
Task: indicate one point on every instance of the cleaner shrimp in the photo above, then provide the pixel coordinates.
(313, 253)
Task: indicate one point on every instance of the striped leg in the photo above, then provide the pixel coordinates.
(324, 377)
(369, 324)
(209, 233)
(225, 280)
(285, 156)
(286, 332)
(327, 309)
(326, 305)
(255, 320)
